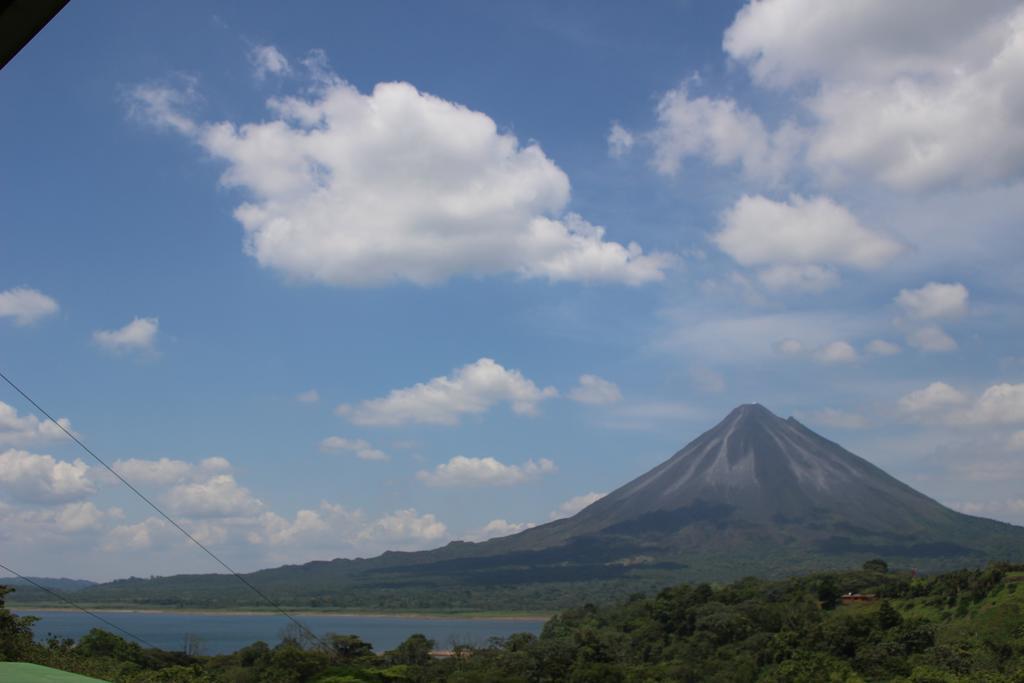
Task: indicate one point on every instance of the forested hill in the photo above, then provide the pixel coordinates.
(961, 627)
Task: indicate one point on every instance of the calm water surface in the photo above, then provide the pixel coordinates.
(224, 633)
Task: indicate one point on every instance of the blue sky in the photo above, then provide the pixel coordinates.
(338, 278)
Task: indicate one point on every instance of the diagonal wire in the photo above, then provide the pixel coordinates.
(77, 606)
(163, 514)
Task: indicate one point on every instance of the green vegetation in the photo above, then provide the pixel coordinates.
(966, 625)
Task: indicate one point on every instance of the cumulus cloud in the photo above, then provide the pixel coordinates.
(899, 88)
(461, 471)
(218, 496)
(471, 389)
(881, 347)
(836, 352)
(595, 391)
(721, 132)
(166, 471)
(934, 300)
(360, 447)
(931, 338)
(55, 522)
(165, 107)
(760, 231)
(405, 525)
(138, 536)
(360, 189)
(43, 479)
(311, 396)
(998, 404)
(25, 305)
(620, 142)
(20, 430)
(575, 504)
(330, 525)
(267, 59)
(497, 528)
(138, 335)
(934, 397)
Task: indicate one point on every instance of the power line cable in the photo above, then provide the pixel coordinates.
(163, 514)
(77, 606)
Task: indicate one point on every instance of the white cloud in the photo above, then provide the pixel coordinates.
(721, 132)
(42, 478)
(620, 142)
(277, 530)
(472, 389)
(164, 106)
(575, 504)
(26, 305)
(936, 396)
(836, 352)
(497, 528)
(218, 496)
(880, 347)
(595, 391)
(405, 525)
(311, 396)
(761, 231)
(137, 536)
(138, 335)
(998, 404)
(18, 430)
(331, 525)
(461, 471)
(900, 87)
(934, 300)
(53, 523)
(1016, 441)
(839, 418)
(360, 447)
(398, 185)
(267, 59)
(166, 471)
(75, 517)
(931, 338)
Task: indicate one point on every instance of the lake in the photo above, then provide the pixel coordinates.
(225, 633)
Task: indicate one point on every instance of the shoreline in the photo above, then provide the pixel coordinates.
(424, 616)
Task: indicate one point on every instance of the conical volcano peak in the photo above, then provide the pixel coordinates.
(752, 411)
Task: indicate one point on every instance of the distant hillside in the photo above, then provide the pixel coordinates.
(756, 495)
(64, 585)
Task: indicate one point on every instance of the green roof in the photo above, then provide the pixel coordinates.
(20, 672)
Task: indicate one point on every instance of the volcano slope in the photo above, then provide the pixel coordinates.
(755, 495)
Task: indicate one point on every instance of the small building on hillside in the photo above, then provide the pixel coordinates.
(857, 598)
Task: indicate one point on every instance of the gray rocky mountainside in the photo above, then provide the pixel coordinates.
(755, 495)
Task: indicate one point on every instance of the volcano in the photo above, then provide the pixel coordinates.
(757, 495)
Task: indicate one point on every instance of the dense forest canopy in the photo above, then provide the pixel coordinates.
(960, 626)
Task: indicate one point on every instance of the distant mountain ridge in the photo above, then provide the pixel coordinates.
(754, 495)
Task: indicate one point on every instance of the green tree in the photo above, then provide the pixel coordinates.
(15, 632)
(349, 648)
(888, 617)
(414, 650)
(828, 592)
(876, 565)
